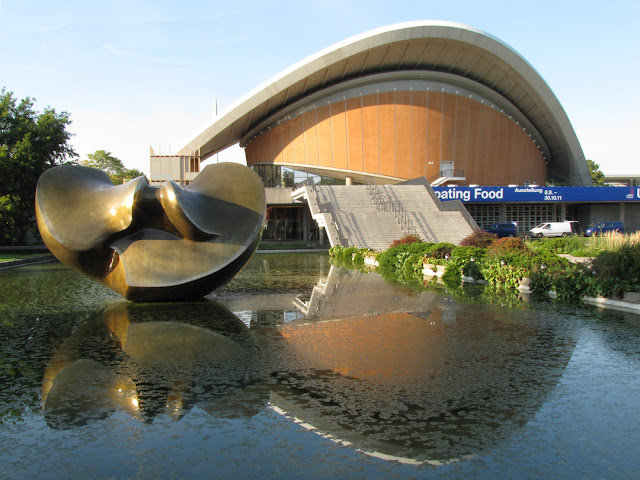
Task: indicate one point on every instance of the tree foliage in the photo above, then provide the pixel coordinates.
(288, 178)
(597, 177)
(118, 173)
(30, 143)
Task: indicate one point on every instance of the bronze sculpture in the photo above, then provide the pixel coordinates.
(152, 243)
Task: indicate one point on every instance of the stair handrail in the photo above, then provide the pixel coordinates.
(404, 219)
(375, 192)
(330, 209)
(398, 210)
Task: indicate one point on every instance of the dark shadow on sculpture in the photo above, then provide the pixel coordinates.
(155, 359)
(153, 243)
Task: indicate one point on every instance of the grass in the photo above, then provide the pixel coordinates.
(612, 241)
(7, 257)
(586, 246)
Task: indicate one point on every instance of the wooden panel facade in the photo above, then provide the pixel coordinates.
(403, 135)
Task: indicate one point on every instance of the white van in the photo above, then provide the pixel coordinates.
(554, 229)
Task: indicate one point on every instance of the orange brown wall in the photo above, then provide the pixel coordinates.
(405, 135)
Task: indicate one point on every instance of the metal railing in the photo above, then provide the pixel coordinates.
(328, 208)
(390, 206)
(447, 173)
(307, 182)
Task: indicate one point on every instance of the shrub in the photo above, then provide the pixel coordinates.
(557, 245)
(508, 245)
(507, 276)
(452, 274)
(463, 255)
(513, 251)
(472, 269)
(439, 250)
(405, 240)
(549, 260)
(346, 254)
(479, 238)
(413, 264)
(389, 258)
(622, 263)
(582, 253)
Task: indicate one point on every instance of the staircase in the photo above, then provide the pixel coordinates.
(357, 218)
(433, 220)
(353, 219)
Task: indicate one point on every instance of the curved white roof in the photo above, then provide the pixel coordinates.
(434, 46)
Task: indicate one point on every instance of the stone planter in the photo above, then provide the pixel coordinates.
(371, 261)
(524, 285)
(430, 270)
(631, 297)
(630, 302)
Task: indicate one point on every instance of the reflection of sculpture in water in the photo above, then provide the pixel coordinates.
(148, 360)
(413, 376)
(152, 243)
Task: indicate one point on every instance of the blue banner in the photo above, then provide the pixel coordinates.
(538, 194)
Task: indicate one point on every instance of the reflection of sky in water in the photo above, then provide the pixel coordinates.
(574, 374)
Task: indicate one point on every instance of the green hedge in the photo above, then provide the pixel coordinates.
(506, 261)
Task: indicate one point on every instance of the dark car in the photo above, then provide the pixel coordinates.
(598, 228)
(502, 229)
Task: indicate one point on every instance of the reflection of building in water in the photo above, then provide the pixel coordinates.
(274, 283)
(412, 377)
(344, 293)
(148, 360)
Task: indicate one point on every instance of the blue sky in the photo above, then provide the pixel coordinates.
(138, 73)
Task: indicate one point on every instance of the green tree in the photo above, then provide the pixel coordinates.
(131, 173)
(30, 143)
(597, 177)
(288, 178)
(113, 166)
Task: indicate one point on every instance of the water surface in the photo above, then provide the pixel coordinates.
(298, 369)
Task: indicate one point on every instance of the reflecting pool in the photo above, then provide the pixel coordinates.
(300, 369)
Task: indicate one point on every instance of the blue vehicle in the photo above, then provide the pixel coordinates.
(598, 228)
(502, 229)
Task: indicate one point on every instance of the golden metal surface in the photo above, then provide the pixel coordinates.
(155, 360)
(152, 243)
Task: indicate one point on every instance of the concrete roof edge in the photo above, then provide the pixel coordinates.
(537, 86)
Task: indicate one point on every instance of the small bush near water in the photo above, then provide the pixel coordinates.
(406, 240)
(612, 272)
(479, 238)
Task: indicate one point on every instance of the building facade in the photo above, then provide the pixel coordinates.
(438, 100)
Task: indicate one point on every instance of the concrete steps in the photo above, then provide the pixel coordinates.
(357, 217)
(360, 224)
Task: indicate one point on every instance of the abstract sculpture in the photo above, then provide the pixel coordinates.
(152, 243)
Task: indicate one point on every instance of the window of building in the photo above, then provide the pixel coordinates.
(194, 164)
(287, 223)
(484, 215)
(527, 216)
(271, 175)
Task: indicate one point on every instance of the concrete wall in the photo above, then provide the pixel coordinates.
(628, 213)
(278, 196)
(166, 168)
(172, 167)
